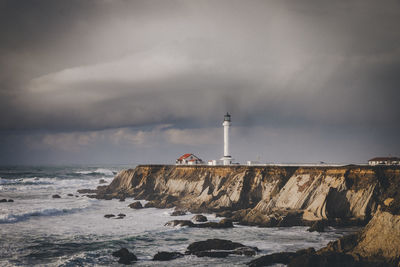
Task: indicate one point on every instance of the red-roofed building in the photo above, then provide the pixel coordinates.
(384, 161)
(189, 159)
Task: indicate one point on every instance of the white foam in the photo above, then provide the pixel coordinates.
(99, 171)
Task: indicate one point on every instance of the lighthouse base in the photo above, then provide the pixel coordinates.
(227, 160)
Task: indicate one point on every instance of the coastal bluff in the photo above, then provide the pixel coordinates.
(263, 195)
(271, 196)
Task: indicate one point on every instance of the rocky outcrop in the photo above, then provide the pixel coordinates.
(265, 196)
(224, 223)
(125, 257)
(219, 248)
(167, 256)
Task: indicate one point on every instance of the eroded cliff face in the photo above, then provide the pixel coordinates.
(267, 196)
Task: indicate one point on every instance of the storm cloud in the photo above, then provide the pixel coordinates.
(144, 81)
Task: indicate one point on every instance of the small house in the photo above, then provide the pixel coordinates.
(189, 159)
(384, 161)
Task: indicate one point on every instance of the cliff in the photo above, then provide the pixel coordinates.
(266, 195)
(284, 196)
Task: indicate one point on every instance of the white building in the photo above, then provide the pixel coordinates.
(227, 158)
(384, 161)
(189, 159)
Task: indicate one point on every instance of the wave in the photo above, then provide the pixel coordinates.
(13, 218)
(26, 181)
(97, 172)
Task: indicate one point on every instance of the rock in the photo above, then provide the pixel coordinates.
(180, 223)
(167, 256)
(199, 218)
(212, 254)
(224, 223)
(70, 195)
(245, 251)
(388, 201)
(55, 196)
(122, 199)
(328, 259)
(178, 213)
(3, 200)
(213, 244)
(87, 191)
(109, 215)
(102, 181)
(10, 200)
(275, 258)
(226, 213)
(318, 226)
(136, 205)
(125, 257)
(149, 204)
(279, 258)
(120, 216)
(219, 248)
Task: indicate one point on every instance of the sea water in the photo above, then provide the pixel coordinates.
(37, 229)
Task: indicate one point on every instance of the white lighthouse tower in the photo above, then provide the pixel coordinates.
(227, 159)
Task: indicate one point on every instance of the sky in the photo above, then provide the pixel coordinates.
(129, 82)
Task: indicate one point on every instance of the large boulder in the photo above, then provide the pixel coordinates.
(279, 258)
(219, 248)
(125, 257)
(178, 213)
(180, 223)
(318, 226)
(136, 205)
(167, 256)
(199, 218)
(224, 223)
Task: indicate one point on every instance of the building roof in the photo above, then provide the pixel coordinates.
(184, 156)
(385, 159)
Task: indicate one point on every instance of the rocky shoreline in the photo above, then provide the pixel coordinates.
(282, 196)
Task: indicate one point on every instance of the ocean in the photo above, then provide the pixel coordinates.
(37, 229)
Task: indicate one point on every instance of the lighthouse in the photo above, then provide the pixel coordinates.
(227, 159)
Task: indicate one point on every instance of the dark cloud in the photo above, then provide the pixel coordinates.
(308, 75)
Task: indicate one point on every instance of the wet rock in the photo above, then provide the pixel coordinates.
(279, 258)
(245, 251)
(178, 213)
(120, 216)
(167, 256)
(327, 259)
(149, 204)
(87, 191)
(3, 200)
(10, 200)
(226, 213)
(56, 196)
(180, 223)
(70, 195)
(224, 223)
(199, 218)
(109, 215)
(102, 181)
(125, 257)
(136, 205)
(318, 226)
(212, 254)
(213, 244)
